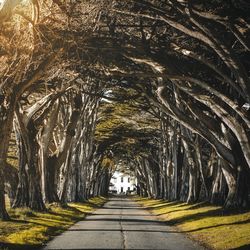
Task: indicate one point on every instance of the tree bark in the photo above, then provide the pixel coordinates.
(29, 191)
(7, 105)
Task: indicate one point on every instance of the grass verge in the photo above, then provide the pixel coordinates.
(30, 230)
(210, 225)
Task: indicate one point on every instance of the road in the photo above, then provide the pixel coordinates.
(122, 224)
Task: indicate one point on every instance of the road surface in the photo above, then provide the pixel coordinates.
(122, 224)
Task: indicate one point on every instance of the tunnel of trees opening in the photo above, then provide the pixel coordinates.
(161, 87)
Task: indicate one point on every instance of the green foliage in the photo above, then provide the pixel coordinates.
(124, 128)
(210, 225)
(108, 162)
(30, 229)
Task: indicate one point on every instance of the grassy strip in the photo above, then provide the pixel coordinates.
(29, 229)
(210, 225)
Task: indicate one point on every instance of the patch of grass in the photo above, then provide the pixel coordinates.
(29, 229)
(208, 224)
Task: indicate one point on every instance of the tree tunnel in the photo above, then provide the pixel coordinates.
(162, 86)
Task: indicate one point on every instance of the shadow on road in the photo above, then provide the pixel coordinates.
(124, 230)
(157, 222)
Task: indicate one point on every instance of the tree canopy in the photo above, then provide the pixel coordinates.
(161, 85)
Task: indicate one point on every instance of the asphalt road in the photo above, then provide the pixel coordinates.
(122, 224)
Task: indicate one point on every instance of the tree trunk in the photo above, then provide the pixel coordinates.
(44, 140)
(11, 182)
(193, 170)
(29, 191)
(22, 194)
(184, 180)
(243, 187)
(231, 179)
(6, 123)
(51, 183)
(3, 213)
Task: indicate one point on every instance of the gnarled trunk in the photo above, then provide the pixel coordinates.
(218, 192)
(6, 117)
(231, 179)
(29, 191)
(11, 181)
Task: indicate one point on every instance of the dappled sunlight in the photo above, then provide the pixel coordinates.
(209, 224)
(34, 228)
(108, 97)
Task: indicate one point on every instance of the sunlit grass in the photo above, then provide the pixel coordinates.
(210, 225)
(29, 229)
